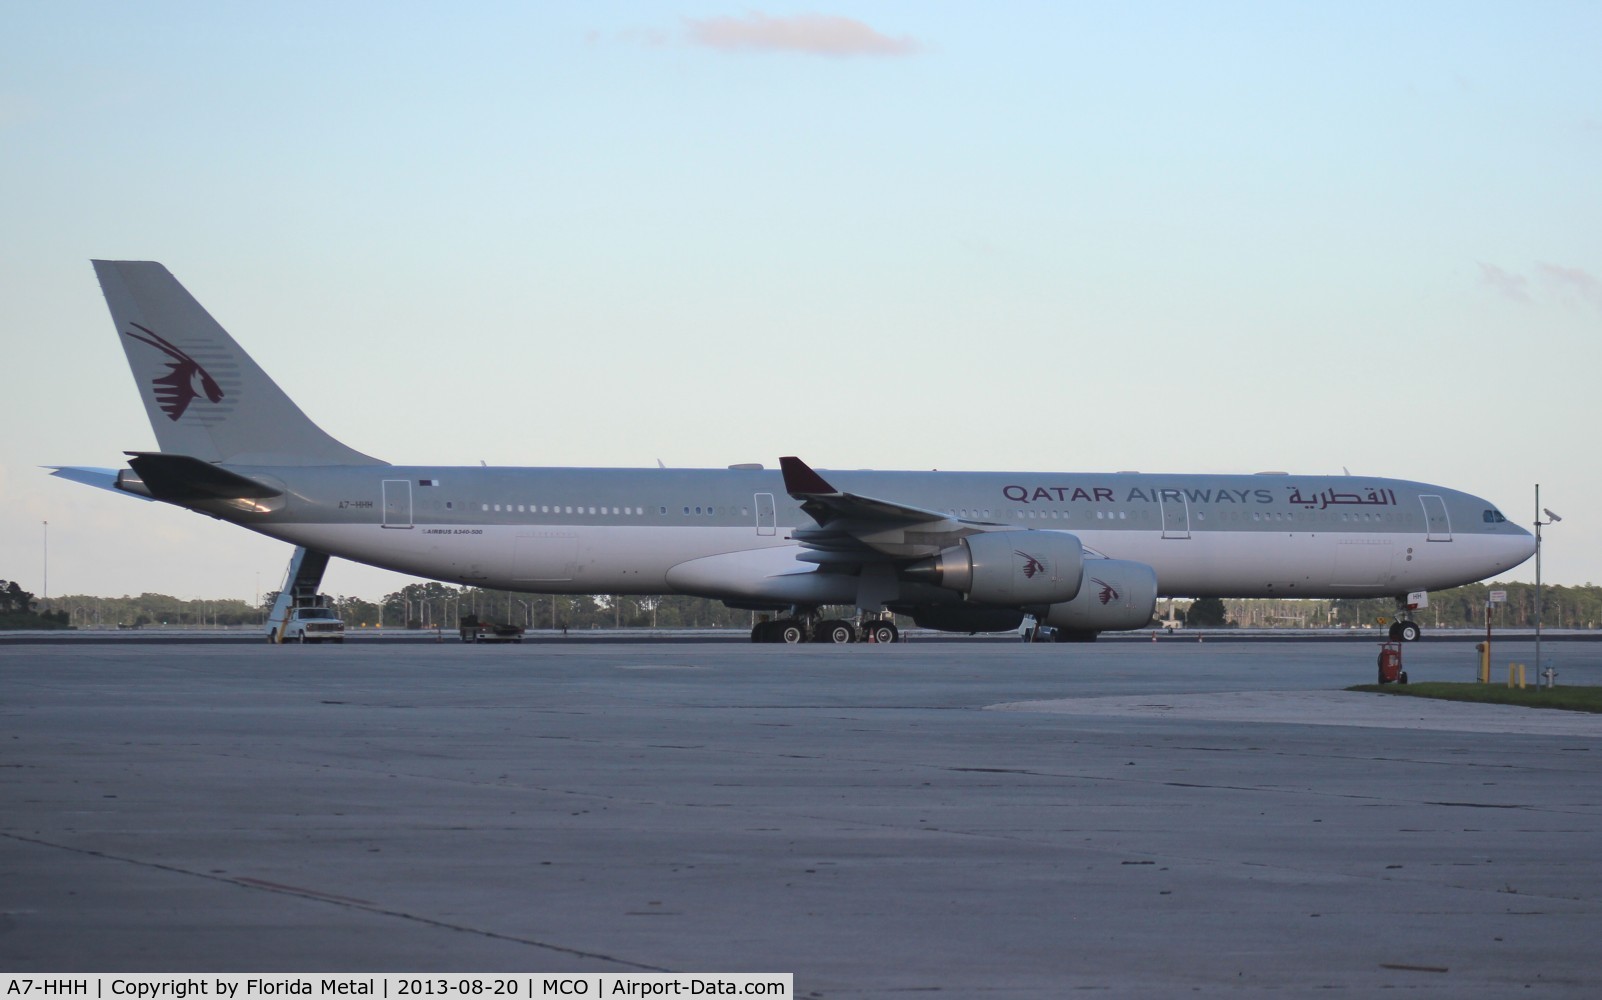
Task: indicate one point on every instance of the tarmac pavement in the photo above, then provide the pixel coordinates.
(1139, 819)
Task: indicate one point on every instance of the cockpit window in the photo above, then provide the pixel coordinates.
(1493, 517)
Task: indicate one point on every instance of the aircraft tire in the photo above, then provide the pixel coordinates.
(1064, 635)
(836, 632)
(791, 632)
(883, 632)
(1408, 631)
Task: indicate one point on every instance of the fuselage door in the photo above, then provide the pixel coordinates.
(1176, 513)
(397, 503)
(765, 518)
(1436, 521)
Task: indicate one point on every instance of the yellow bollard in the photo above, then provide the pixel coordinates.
(1515, 670)
(1485, 662)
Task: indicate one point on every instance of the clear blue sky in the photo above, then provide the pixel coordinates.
(1160, 236)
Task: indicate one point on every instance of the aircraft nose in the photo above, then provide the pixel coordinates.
(1519, 548)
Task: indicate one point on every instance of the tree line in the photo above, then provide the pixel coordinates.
(1460, 607)
(19, 609)
(432, 604)
(418, 605)
(150, 610)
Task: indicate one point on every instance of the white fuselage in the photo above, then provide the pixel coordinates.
(728, 533)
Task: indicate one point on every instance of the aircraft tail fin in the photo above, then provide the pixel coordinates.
(205, 396)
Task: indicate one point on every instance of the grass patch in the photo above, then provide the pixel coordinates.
(1573, 699)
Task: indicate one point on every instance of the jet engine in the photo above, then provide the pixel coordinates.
(1014, 568)
(1117, 594)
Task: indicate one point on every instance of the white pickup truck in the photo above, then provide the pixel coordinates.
(310, 625)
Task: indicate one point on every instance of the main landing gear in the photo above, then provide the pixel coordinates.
(804, 625)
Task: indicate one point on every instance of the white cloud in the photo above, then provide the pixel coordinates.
(1507, 283)
(814, 34)
(1573, 281)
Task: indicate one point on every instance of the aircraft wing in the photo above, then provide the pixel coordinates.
(853, 531)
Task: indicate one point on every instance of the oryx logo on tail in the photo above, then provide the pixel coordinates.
(185, 379)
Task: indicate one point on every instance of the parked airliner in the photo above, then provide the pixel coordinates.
(1081, 553)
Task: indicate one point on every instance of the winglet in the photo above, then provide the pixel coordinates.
(800, 480)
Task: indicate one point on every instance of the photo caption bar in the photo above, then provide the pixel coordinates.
(327, 986)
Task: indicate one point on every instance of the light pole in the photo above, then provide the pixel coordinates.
(46, 582)
(1551, 518)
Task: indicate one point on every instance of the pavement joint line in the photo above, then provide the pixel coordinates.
(346, 902)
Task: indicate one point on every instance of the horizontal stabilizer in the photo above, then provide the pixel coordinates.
(181, 479)
(105, 479)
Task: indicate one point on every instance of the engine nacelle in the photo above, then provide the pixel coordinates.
(1009, 568)
(1117, 594)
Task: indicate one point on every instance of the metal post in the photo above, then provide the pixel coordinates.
(1537, 577)
(1551, 518)
(1485, 653)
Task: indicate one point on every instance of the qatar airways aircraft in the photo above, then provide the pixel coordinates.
(961, 551)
